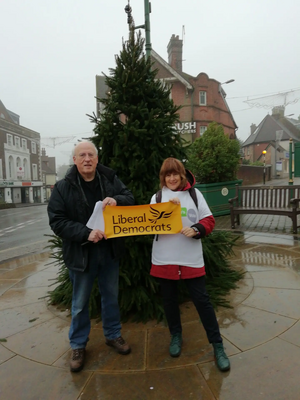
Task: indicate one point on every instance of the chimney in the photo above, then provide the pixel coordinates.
(252, 128)
(175, 53)
(278, 112)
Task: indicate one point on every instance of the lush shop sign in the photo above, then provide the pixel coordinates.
(186, 127)
(149, 219)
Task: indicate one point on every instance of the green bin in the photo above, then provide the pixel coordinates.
(218, 194)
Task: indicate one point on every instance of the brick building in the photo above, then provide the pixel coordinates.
(49, 174)
(272, 135)
(203, 100)
(20, 161)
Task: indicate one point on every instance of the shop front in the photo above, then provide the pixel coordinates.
(20, 192)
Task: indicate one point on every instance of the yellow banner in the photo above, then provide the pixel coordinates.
(150, 219)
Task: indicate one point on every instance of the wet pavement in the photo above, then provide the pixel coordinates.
(261, 334)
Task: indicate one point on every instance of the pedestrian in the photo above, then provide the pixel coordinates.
(180, 256)
(87, 253)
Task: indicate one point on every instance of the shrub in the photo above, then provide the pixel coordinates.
(213, 157)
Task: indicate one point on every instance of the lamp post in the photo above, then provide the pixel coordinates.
(264, 153)
(224, 83)
(278, 137)
(146, 25)
(230, 80)
(291, 181)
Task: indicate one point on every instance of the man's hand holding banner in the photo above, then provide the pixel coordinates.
(149, 219)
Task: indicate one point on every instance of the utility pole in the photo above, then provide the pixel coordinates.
(264, 153)
(146, 25)
(278, 137)
(291, 181)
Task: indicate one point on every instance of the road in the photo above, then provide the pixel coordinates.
(22, 231)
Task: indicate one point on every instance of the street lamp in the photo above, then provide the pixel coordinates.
(221, 90)
(264, 153)
(224, 83)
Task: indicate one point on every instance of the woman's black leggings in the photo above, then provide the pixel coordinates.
(200, 298)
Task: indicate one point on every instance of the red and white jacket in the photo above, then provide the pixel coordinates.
(177, 256)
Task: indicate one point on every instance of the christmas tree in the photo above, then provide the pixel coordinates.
(134, 134)
(136, 130)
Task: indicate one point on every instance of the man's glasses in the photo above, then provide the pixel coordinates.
(82, 156)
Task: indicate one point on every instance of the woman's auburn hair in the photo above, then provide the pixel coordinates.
(169, 166)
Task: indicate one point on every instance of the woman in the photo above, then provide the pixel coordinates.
(180, 256)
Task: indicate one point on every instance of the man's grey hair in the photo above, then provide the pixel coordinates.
(84, 141)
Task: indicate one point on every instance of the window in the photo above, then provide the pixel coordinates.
(11, 169)
(17, 142)
(168, 86)
(202, 98)
(33, 147)
(24, 144)
(19, 169)
(202, 129)
(34, 172)
(9, 140)
(100, 107)
(26, 169)
(1, 170)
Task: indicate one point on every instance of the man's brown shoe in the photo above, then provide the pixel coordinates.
(119, 344)
(77, 360)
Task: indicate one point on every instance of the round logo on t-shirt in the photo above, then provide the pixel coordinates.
(192, 216)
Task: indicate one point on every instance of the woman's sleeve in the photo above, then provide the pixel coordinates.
(204, 227)
(206, 222)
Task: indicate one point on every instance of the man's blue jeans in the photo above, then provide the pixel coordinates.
(106, 270)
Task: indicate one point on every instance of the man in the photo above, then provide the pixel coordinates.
(87, 254)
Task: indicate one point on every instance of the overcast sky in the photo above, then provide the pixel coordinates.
(51, 51)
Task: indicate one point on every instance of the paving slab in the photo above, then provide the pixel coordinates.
(261, 336)
(269, 371)
(23, 379)
(179, 383)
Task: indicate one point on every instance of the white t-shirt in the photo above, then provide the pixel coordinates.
(178, 249)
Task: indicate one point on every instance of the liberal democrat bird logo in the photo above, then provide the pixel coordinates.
(158, 215)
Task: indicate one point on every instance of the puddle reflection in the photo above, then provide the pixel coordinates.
(271, 258)
(268, 258)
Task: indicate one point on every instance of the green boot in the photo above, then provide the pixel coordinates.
(221, 357)
(175, 345)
